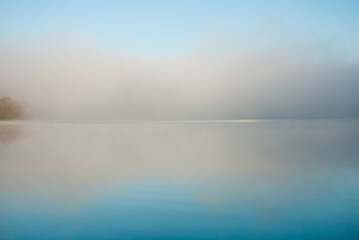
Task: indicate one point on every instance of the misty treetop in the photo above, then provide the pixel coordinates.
(10, 109)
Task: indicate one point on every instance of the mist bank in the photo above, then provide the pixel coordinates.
(82, 83)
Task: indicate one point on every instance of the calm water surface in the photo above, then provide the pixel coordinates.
(180, 180)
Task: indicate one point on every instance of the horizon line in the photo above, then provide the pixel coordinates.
(70, 122)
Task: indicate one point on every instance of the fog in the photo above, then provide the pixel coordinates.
(81, 82)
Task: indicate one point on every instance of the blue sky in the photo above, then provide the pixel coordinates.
(165, 28)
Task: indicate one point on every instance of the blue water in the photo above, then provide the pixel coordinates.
(180, 180)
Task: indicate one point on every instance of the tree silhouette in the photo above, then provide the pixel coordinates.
(9, 109)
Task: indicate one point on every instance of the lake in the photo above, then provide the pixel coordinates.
(180, 180)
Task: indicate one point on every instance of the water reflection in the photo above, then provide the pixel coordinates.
(277, 169)
(9, 133)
